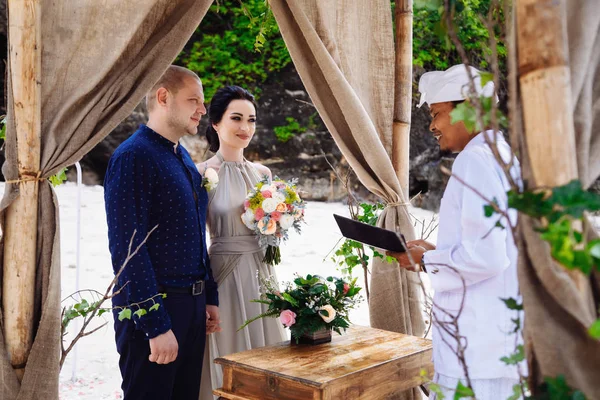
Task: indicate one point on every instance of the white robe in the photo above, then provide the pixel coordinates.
(486, 258)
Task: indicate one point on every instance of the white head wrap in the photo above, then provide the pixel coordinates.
(451, 85)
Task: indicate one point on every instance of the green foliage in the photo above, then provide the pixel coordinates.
(512, 304)
(467, 113)
(516, 357)
(352, 253)
(594, 329)
(559, 212)
(311, 299)
(286, 132)
(59, 178)
(432, 47)
(223, 51)
(3, 129)
(558, 389)
(463, 391)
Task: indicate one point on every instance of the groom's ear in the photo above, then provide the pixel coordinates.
(161, 96)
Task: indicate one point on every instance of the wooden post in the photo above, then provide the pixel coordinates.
(543, 69)
(18, 290)
(545, 84)
(402, 92)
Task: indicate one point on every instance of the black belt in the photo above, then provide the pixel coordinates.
(195, 290)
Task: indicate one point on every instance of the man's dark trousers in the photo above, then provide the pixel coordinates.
(179, 380)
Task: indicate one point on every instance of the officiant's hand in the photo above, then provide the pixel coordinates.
(411, 259)
(212, 319)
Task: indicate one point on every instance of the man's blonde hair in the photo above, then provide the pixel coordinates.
(173, 79)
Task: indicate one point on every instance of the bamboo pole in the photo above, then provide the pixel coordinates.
(18, 291)
(545, 85)
(402, 92)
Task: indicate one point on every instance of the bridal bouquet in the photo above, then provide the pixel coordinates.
(311, 304)
(270, 210)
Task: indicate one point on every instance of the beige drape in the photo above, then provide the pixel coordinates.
(344, 53)
(557, 314)
(99, 58)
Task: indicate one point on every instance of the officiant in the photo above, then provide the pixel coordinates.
(473, 259)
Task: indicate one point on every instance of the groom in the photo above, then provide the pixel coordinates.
(152, 182)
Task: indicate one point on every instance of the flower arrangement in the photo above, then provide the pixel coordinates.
(271, 208)
(210, 179)
(311, 304)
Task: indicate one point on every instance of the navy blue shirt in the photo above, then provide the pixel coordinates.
(149, 184)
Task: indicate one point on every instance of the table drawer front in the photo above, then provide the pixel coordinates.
(256, 385)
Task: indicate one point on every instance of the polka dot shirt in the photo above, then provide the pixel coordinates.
(149, 184)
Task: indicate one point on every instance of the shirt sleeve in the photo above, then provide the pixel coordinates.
(481, 252)
(128, 191)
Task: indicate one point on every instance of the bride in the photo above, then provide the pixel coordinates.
(235, 256)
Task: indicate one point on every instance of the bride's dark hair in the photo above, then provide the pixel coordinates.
(218, 105)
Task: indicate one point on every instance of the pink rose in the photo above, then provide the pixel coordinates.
(259, 214)
(290, 207)
(287, 318)
(275, 215)
(346, 288)
(266, 194)
(246, 204)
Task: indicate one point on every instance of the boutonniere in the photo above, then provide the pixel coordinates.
(210, 180)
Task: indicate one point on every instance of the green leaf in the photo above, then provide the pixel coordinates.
(3, 129)
(466, 113)
(102, 311)
(125, 314)
(462, 391)
(517, 393)
(140, 313)
(516, 357)
(154, 307)
(488, 210)
(594, 329)
(290, 299)
(486, 77)
(59, 178)
(512, 304)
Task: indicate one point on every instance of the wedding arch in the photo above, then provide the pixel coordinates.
(76, 69)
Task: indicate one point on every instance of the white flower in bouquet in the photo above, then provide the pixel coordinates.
(269, 205)
(279, 197)
(286, 221)
(330, 313)
(248, 219)
(210, 179)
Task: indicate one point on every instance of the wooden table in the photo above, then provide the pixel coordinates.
(364, 363)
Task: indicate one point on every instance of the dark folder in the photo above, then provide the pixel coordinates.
(370, 235)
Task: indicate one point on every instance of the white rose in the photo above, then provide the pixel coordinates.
(286, 221)
(248, 219)
(330, 313)
(210, 179)
(280, 197)
(269, 205)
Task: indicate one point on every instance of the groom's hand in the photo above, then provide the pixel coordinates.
(163, 348)
(212, 319)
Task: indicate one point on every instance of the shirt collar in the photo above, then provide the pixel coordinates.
(480, 138)
(155, 137)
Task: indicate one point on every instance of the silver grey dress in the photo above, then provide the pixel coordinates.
(236, 261)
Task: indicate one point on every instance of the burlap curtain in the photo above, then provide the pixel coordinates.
(557, 313)
(344, 53)
(99, 59)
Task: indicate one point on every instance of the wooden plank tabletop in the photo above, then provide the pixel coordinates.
(359, 349)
